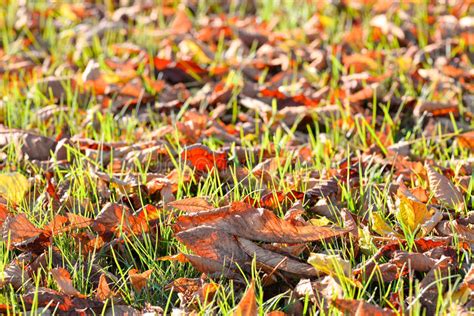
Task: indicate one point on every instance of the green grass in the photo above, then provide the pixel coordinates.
(330, 139)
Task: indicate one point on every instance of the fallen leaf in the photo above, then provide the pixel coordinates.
(139, 280)
(213, 244)
(29, 145)
(203, 159)
(444, 190)
(415, 261)
(242, 220)
(181, 24)
(103, 291)
(380, 226)
(434, 282)
(360, 308)
(13, 187)
(21, 233)
(192, 205)
(64, 282)
(466, 140)
(248, 304)
(330, 264)
(277, 261)
(411, 213)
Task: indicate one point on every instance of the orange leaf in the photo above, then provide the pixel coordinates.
(466, 140)
(181, 23)
(248, 304)
(103, 289)
(139, 280)
(204, 159)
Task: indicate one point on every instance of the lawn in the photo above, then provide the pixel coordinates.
(267, 157)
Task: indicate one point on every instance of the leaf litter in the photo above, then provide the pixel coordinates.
(157, 157)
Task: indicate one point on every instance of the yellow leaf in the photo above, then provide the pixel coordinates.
(380, 226)
(330, 264)
(13, 186)
(190, 47)
(412, 213)
(323, 221)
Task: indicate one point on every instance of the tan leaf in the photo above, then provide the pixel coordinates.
(462, 294)
(64, 282)
(194, 289)
(444, 190)
(248, 304)
(192, 205)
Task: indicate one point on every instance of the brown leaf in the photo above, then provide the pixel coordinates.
(444, 190)
(245, 221)
(47, 297)
(103, 290)
(416, 261)
(430, 285)
(276, 260)
(61, 224)
(21, 233)
(360, 308)
(31, 146)
(213, 244)
(3, 213)
(248, 304)
(205, 265)
(192, 205)
(64, 282)
(14, 275)
(115, 217)
(139, 280)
